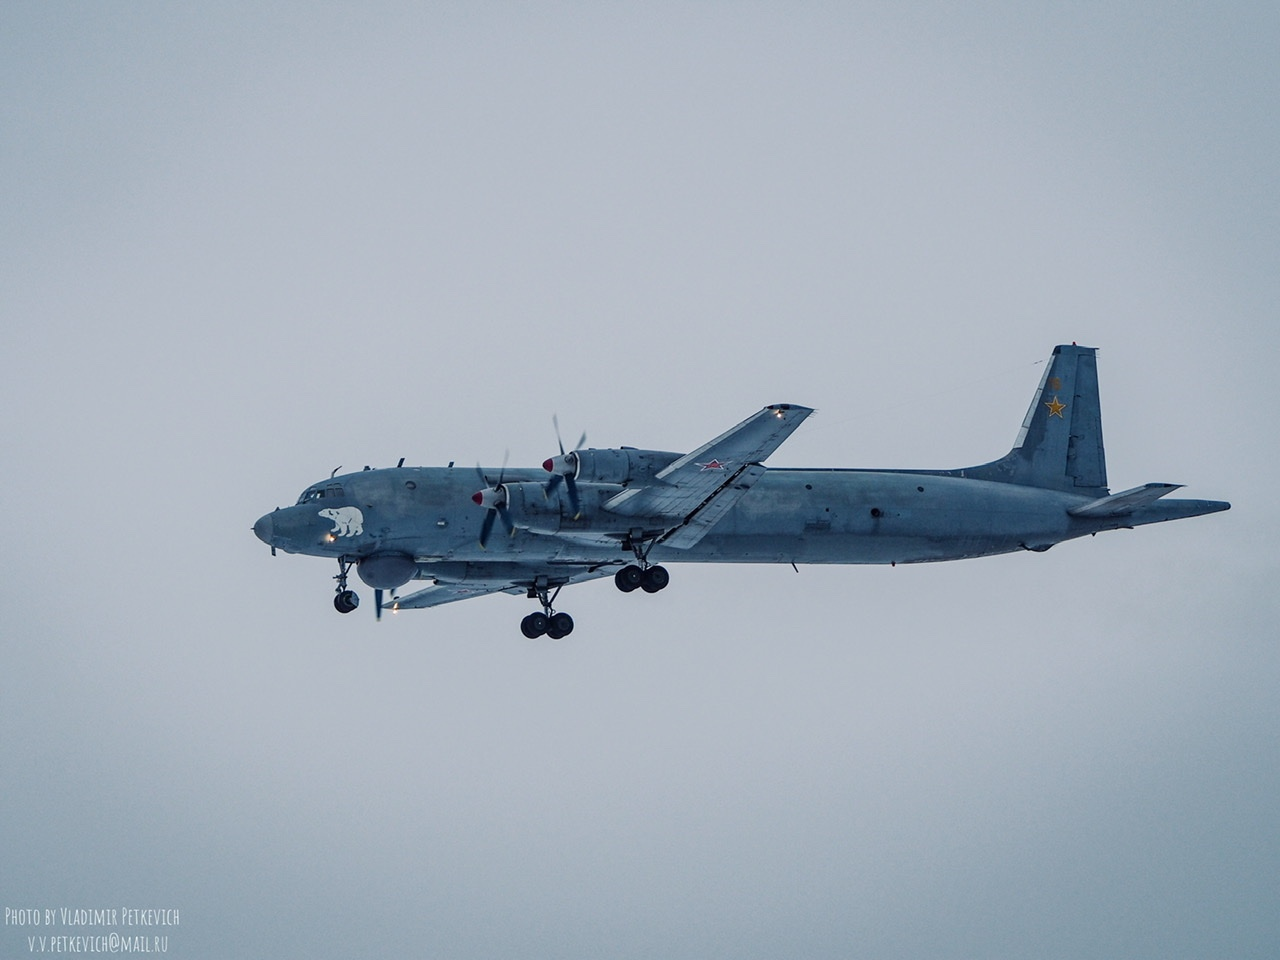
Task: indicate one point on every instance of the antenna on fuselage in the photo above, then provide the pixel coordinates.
(335, 471)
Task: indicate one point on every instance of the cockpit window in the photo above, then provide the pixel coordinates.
(317, 493)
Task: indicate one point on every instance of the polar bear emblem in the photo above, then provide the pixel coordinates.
(347, 521)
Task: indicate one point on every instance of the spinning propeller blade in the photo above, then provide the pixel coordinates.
(494, 499)
(564, 467)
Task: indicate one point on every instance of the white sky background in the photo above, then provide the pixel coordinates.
(243, 246)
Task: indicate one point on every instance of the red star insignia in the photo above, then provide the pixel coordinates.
(712, 465)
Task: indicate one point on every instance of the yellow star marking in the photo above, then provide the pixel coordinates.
(1055, 383)
(1056, 407)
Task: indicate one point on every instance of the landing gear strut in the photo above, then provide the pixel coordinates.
(346, 600)
(555, 625)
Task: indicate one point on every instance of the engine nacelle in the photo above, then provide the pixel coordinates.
(531, 508)
(619, 464)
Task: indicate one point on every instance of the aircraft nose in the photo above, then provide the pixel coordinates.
(264, 529)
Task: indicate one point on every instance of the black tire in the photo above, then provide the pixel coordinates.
(655, 579)
(561, 626)
(628, 578)
(534, 625)
(346, 601)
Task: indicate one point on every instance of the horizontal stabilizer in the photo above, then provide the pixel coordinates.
(1125, 502)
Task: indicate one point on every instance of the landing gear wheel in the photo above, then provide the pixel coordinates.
(346, 601)
(561, 626)
(654, 579)
(535, 625)
(628, 578)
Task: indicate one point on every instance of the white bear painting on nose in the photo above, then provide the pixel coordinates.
(347, 521)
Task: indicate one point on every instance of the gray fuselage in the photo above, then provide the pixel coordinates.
(789, 516)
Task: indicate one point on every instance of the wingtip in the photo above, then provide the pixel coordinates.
(781, 410)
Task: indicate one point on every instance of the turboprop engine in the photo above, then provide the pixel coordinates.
(589, 478)
(528, 506)
(615, 465)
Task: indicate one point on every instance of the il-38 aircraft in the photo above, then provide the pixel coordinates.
(626, 512)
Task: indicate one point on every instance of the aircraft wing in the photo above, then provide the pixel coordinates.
(699, 488)
(517, 581)
(439, 593)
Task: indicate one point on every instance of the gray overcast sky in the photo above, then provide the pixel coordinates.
(245, 243)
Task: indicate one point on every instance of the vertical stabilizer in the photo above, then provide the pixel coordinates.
(1060, 444)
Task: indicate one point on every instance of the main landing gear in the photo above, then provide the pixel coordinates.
(648, 579)
(641, 574)
(557, 626)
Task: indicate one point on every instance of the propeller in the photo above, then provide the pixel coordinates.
(494, 499)
(382, 602)
(565, 467)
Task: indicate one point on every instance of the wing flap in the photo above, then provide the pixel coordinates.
(708, 514)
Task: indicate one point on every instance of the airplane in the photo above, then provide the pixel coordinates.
(625, 512)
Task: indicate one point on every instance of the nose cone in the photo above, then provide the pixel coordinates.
(264, 529)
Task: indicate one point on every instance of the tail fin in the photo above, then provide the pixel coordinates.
(1060, 444)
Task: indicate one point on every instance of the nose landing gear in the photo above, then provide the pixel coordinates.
(346, 600)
